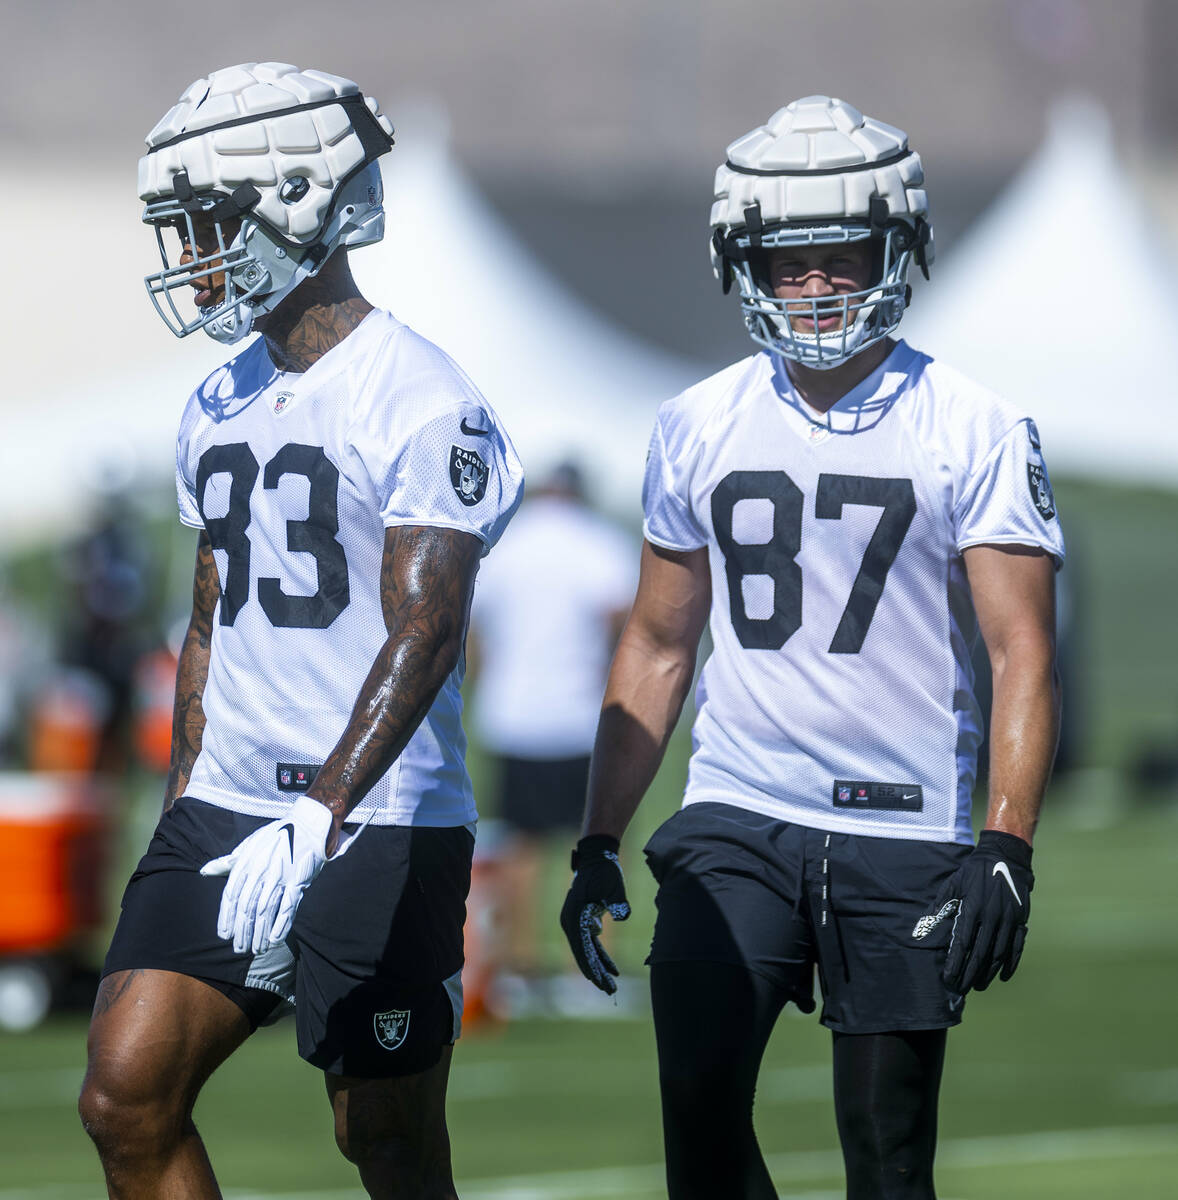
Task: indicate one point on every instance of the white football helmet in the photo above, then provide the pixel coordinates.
(291, 156)
(820, 173)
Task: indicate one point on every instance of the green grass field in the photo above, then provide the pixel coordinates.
(1060, 1084)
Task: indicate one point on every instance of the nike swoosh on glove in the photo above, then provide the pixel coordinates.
(268, 873)
(597, 888)
(993, 890)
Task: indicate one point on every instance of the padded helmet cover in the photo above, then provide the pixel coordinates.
(819, 171)
(289, 153)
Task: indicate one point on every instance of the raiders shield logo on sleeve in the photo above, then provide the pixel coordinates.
(468, 474)
(1037, 479)
(391, 1027)
(1041, 492)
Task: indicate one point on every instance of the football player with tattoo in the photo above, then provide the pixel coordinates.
(845, 513)
(346, 479)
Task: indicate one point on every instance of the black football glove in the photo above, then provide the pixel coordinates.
(597, 887)
(992, 891)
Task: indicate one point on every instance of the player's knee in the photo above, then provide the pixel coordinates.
(369, 1145)
(411, 1166)
(889, 1155)
(123, 1120)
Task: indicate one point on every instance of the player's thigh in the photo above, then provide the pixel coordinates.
(731, 891)
(155, 1037)
(168, 920)
(379, 950)
(868, 897)
(404, 1115)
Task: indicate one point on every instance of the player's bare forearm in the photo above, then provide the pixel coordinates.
(427, 580)
(1014, 595)
(192, 671)
(1024, 732)
(642, 703)
(648, 683)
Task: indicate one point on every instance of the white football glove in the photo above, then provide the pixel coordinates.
(268, 873)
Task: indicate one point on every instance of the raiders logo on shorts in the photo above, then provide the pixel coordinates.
(391, 1027)
(468, 474)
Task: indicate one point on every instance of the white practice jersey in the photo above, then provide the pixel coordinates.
(839, 692)
(545, 611)
(295, 478)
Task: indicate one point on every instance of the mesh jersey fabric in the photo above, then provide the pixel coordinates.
(295, 478)
(543, 610)
(818, 679)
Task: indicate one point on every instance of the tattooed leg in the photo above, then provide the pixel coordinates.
(155, 1037)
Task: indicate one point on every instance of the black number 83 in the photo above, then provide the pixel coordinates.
(315, 535)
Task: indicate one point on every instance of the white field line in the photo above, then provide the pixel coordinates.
(1064, 1145)
(57, 1087)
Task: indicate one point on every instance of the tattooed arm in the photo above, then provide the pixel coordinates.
(188, 714)
(426, 583)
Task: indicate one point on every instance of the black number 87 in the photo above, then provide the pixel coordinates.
(776, 558)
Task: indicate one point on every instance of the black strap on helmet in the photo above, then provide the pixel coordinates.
(924, 235)
(754, 225)
(373, 139)
(223, 208)
(720, 246)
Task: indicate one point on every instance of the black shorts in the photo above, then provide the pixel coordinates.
(543, 795)
(779, 899)
(374, 959)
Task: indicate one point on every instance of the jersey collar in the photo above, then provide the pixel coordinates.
(863, 407)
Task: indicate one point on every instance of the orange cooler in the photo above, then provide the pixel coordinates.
(53, 842)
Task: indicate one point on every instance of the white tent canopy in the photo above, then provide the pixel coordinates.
(96, 383)
(1061, 299)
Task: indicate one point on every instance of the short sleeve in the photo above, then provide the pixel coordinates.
(1008, 498)
(186, 500)
(457, 470)
(668, 519)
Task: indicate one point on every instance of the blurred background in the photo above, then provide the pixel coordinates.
(548, 201)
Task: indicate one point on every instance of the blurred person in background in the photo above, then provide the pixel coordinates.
(845, 513)
(25, 664)
(547, 613)
(346, 479)
(109, 626)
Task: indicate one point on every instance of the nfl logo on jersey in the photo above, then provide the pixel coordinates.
(844, 793)
(284, 776)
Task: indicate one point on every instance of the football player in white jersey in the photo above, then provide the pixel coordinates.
(346, 479)
(845, 513)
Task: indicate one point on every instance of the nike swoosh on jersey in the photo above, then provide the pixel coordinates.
(465, 428)
(1000, 868)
